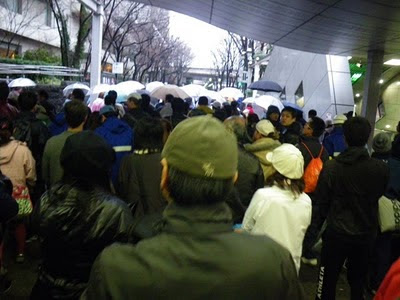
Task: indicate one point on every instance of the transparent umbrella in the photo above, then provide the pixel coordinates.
(174, 90)
(153, 85)
(231, 93)
(77, 85)
(21, 82)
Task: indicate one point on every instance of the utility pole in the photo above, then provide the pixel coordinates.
(97, 8)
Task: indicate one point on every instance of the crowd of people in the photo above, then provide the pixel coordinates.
(138, 201)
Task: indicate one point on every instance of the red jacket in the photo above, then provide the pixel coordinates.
(390, 287)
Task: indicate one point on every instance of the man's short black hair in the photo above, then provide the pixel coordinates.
(312, 113)
(114, 95)
(203, 100)
(27, 101)
(75, 113)
(290, 110)
(148, 134)
(43, 94)
(78, 94)
(188, 190)
(357, 131)
(4, 90)
(317, 125)
(145, 100)
(108, 100)
(178, 105)
(169, 98)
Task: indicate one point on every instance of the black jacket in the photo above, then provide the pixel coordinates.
(75, 225)
(291, 134)
(348, 191)
(196, 256)
(139, 183)
(314, 146)
(134, 115)
(251, 177)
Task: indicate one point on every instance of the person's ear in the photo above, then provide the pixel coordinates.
(235, 177)
(164, 180)
(103, 118)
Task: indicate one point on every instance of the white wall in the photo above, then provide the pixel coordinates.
(326, 79)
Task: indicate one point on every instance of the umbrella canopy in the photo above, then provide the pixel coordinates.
(77, 85)
(21, 82)
(249, 100)
(267, 100)
(124, 89)
(293, 105)
(213, 95)
(164, 90)
(194, 90)
(101, 88)
(151, 86)
(266, 86)
(231, 93)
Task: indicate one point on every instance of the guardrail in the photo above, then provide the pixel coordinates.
(11, 69)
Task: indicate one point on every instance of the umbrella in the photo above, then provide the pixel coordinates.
(249, 100)
(77, 85)
(101, 88)
(231, 93)
(290, 104)
(267, 100)
(194, 90)
(164, 90)
(21, 82)
(213, 95)
(266, 86)
(124, 89)
(153, 85)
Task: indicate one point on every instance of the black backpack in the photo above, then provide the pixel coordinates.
(23, 131)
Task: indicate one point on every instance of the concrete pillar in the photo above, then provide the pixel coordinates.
(372, 87)
(97, 42)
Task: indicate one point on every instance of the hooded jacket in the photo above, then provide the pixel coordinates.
(17, 163)
(261, 148)
(335, 143)
(75, 225)
(348, 191)
(118, 135)
(196, 256)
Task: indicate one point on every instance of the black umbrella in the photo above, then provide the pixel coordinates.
(266, 86)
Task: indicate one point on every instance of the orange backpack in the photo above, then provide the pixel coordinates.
(311, 174)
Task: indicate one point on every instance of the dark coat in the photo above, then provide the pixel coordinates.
(315, 147)
(335, 142)
(348, 191)
(139, 183)
(196, 256)
(291, 134)
(134, 115)
(393, 190)
(251, 177)
(75, 225)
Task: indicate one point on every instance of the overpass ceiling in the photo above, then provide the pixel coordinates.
(341, 27)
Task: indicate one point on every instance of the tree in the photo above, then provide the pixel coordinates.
(61, 9)
(18, 16)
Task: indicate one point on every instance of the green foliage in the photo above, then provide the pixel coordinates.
(49, 80)
(19, 61)
(42, 55)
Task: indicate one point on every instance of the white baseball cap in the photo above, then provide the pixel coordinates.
(287, 160)
(339, 119)
(265, 127)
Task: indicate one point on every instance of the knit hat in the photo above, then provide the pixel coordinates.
(287, 160)
(382, 143)
(135, 97)
(86, 153)
(265, 127)
(339, 119)
(202, 147)
(107, 109)
(273, 109)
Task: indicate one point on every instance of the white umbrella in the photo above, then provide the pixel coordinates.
(77, 85)
(266, 100)
(213, 95)
(130, 84)
(174, 90)
(101, 88)
(195, 90)
(249, 100)
(230, 92)
(21, 82)
(153, 85)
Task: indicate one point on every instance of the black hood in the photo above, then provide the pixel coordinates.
(353, 155)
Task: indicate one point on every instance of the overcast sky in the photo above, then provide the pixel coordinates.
(201, 37)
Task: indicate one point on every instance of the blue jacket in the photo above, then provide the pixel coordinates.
(59, 125)
(120, 136)
(334, 143)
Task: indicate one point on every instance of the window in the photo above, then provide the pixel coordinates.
(49, 15)
(282, 96)
(12, 51)
(12, 5)
(299, 95)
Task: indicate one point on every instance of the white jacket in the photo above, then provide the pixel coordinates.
(276, 213)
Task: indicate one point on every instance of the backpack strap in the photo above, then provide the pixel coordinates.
(320, 152)
(308, 150)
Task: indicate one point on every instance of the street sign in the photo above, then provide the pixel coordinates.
(118, 68)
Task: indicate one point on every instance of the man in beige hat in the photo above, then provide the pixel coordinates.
(196, 255)
(265, 140)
